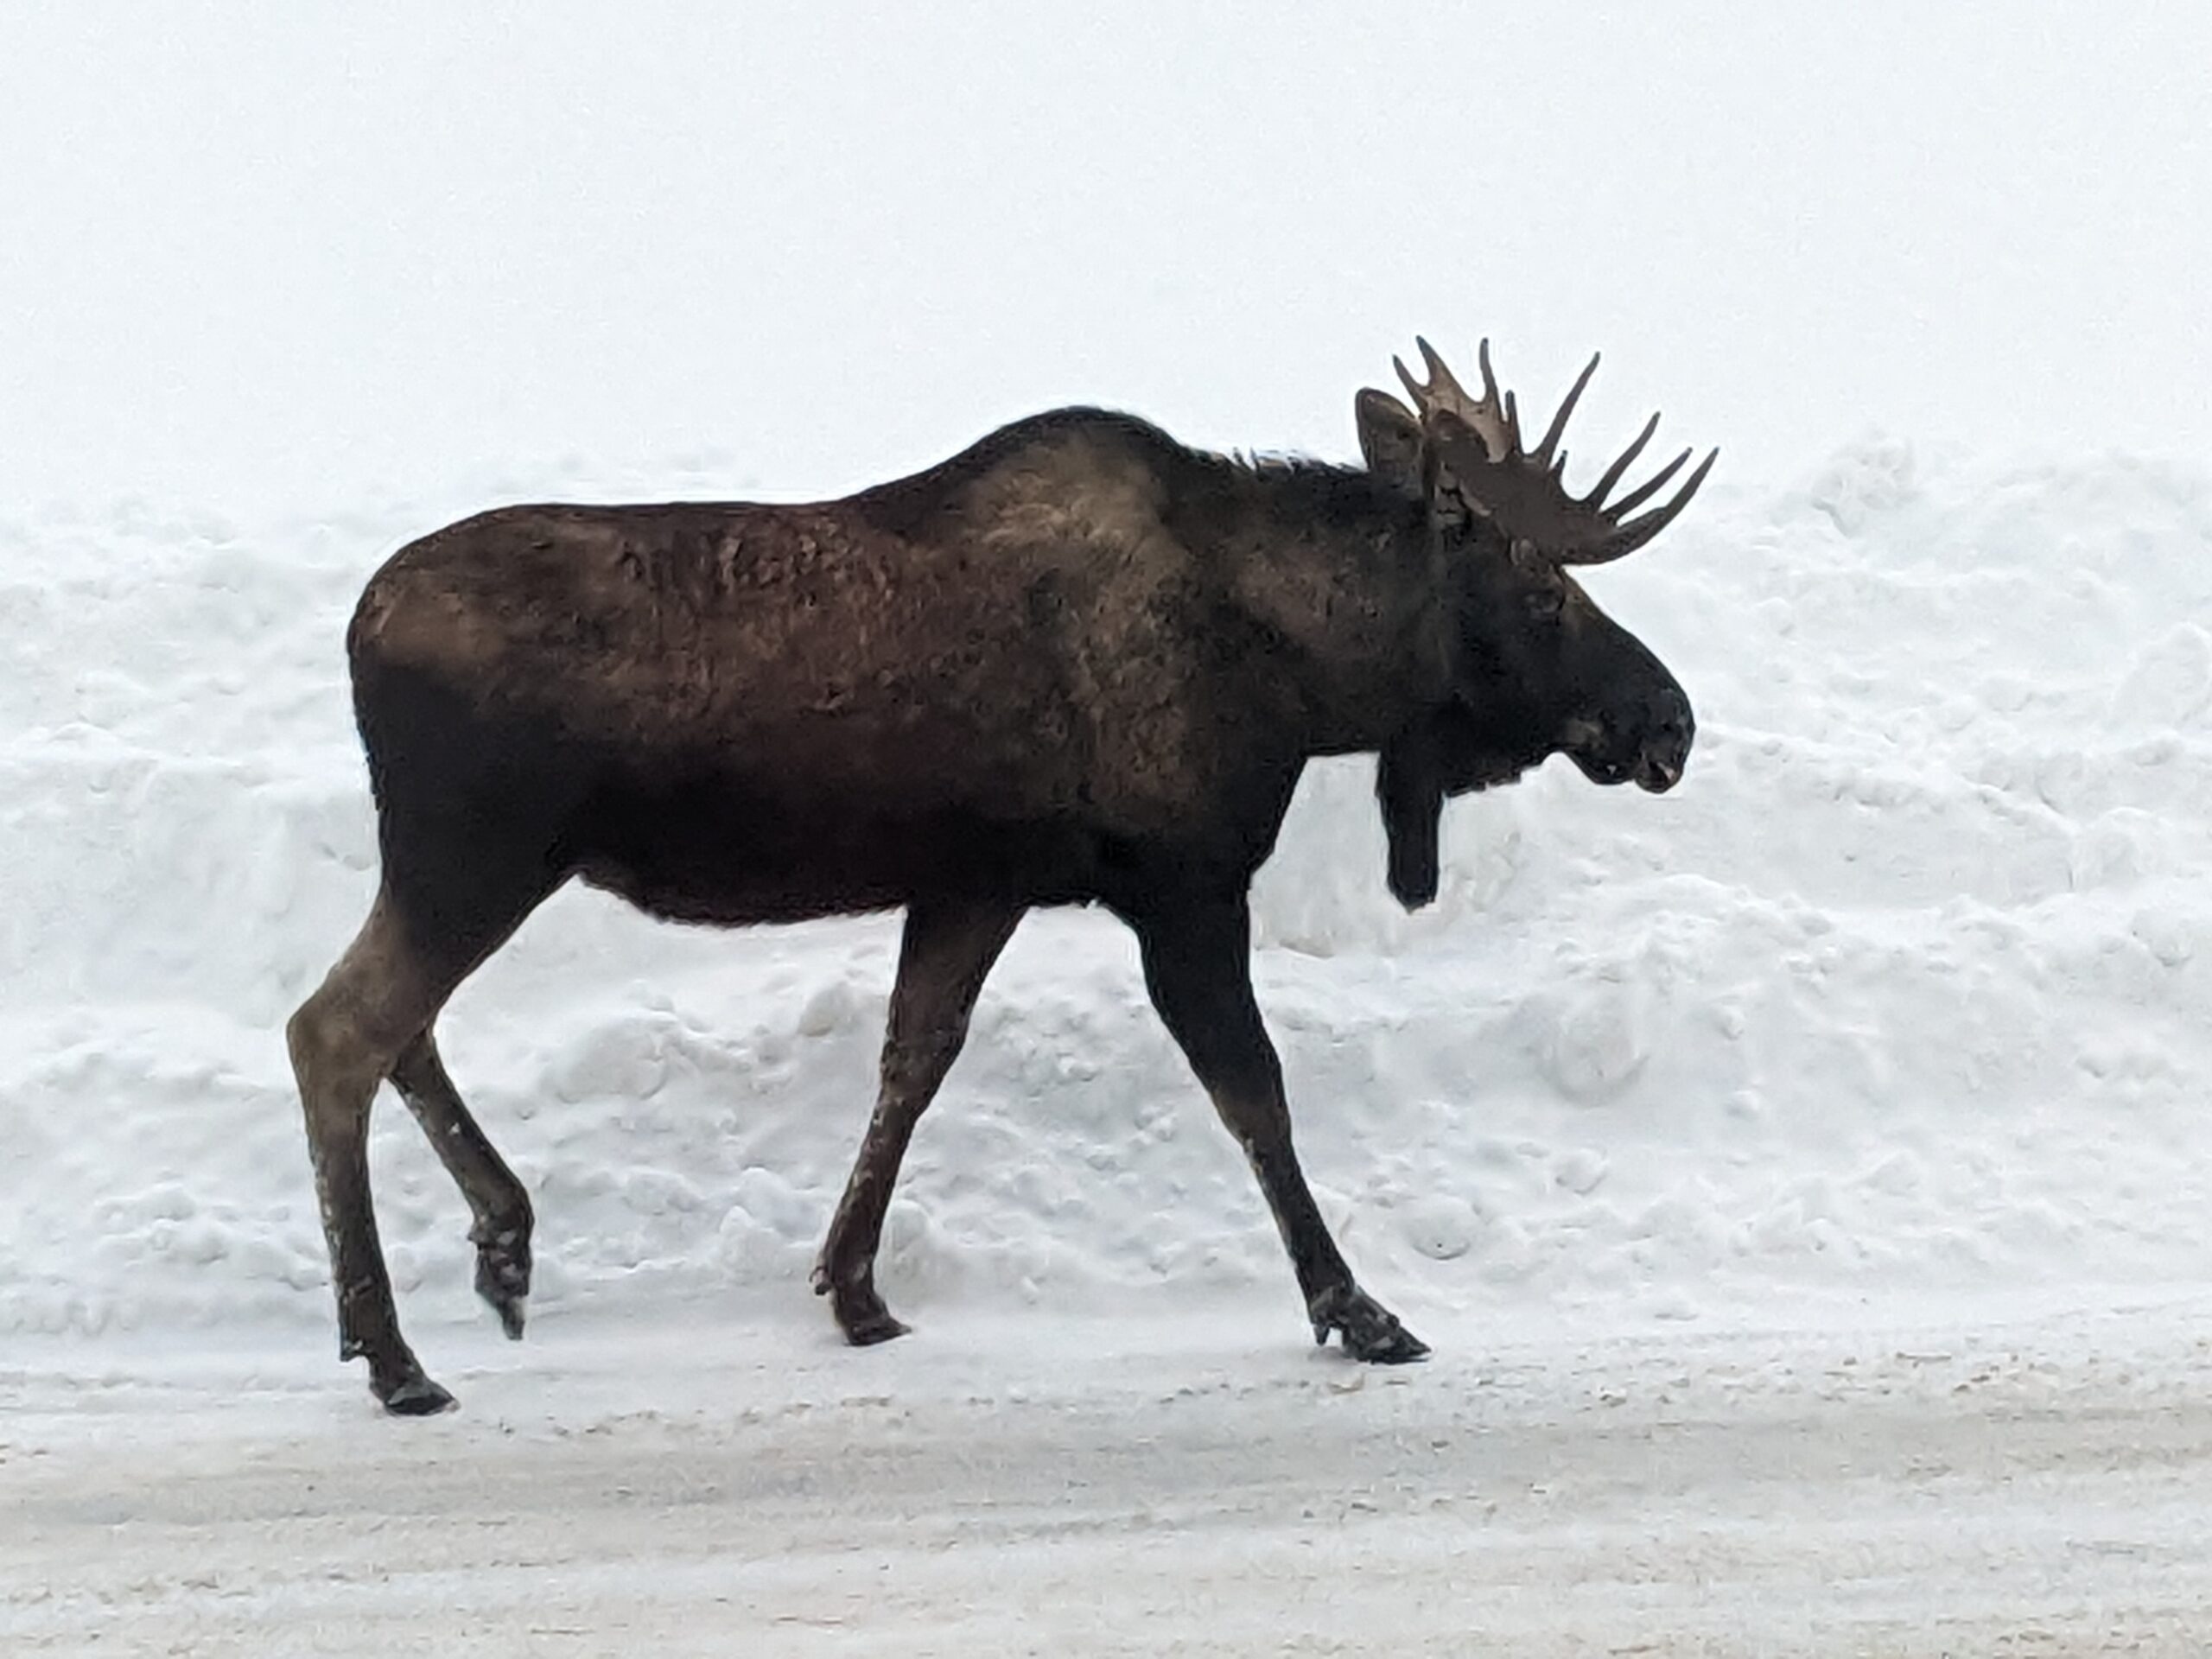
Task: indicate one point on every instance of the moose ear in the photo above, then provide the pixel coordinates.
(1390, 440)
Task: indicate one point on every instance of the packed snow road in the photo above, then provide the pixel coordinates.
(1017, 1484)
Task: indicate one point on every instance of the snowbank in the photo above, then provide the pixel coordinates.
(1905, 987)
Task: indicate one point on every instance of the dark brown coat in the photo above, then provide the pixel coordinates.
(1078, 663)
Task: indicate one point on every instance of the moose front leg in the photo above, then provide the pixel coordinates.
(1198, 968)
(944, 957)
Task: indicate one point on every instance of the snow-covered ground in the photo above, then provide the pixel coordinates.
(1048, 1485)
(1804, 1177)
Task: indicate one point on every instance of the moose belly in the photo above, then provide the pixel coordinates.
(722, 851)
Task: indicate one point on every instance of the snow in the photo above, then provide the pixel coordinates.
(1048, 1485)
(1802, 1176)
(1900, 991)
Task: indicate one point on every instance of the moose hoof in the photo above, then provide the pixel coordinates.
(507, 1292)
(512, 1311)
(860, 1311)
(1370, 1331)
(503, 1279)
(867, 1329)
(864, 1318)
(412, 1395)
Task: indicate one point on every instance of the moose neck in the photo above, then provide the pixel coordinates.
(1343, 578)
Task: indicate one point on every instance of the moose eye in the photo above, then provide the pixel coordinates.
(1544, 603)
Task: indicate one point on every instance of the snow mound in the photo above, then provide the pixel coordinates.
(1905, 987)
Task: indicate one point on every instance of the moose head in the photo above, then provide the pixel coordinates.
(1538, 669)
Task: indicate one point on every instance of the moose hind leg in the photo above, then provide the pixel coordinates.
(943, 958)
(422, 937)
(502, 1217)
(1198, 968)
(342, 1040)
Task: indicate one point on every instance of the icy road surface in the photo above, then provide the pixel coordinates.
(704, 1485)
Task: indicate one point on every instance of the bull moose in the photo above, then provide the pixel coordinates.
(1078, 663)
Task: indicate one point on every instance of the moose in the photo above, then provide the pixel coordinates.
(1077, 662)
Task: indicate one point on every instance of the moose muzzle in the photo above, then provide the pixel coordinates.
(1650, 748)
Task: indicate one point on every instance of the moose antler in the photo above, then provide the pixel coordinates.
(1490, 420)
(1523, 492)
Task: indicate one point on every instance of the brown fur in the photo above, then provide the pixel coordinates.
(1078, 663)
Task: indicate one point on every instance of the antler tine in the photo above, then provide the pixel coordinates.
(1650, 486)
(1635, 533)
(1442, 391)
(1414, 390)
(1442, 382)
(1596, 499)
(1566, 408)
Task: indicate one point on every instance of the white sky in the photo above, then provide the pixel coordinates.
(283, 255)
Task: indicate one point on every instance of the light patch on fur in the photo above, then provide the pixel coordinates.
(1078, 494)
